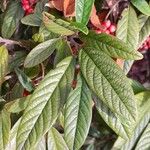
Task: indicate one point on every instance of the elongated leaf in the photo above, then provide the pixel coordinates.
(78, 115)
(113, 120)
(143, 100)
(142, 6)
(57, 26)
(109, 83)
(11, 19)
(24, 80)
(3, 63)
(144, 141)
(83, 10)
(48, 98)
(111, 46)
(142, 19)
(41, 52)
(55, 140)
(5, 125)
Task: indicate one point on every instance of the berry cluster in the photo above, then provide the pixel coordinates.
(107, 27)
(28, 6)
(145, 45)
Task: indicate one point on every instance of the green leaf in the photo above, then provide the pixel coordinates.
(11, 20)
(5, 125)
(77, 115)
(83, 10)
(109, 83)
(17, 105)
(3, 63)
(55, 140)
(41, 52)
(143, 100)
(144, 141)
(111, 46)
(142, 19)
(24, 80)
(128, 33)
(142, 6)
(48, 98)
(42, 144)
(57, 26)
(113, 120)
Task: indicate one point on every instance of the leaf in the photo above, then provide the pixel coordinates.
(57, 26)
(113, 120)
(77, 115)
(111, 46)
(58, 4)
(143, 100)
(69, 8)
(5, 125)
(17, 105)
(142, 19)
(24, 80)
(41, 52)
(11, 20)
(48, 98)
(3, 63)
(83, 10)
(109, 83)
(55, 140)
(142, 6)
(144, 141)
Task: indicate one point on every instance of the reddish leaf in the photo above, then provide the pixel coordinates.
(58, 4)
(69, 8)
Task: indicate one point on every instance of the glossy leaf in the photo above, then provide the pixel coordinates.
(3, 63)
(83, 10)
(11, 20)
(41, 52)
(48, 98)
(111, 46)
(24, 80)
(142, 6)
(5, 125)
(57, 26)
(109, 83)
(77, 115)
(55, 140)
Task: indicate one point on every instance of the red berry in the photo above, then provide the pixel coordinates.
(30, 10)
(107, 32)
(106, 23)
(26, 7)
(112, 28)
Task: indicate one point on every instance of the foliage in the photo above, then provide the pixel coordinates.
(61, 86)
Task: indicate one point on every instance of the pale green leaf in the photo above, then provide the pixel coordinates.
(83, 10)
(77, 115)
(111, 46)
(55, 140)
(13, 15)
(144, 141)
(142, 6)
(57, 26)
(3, 63)
(41, 52)
(5, 125)
(109, 83)
(48, 98)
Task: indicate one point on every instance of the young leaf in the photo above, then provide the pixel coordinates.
(24, 80)
(55, 140)
(11, 20)
(5, 125)
(142, 6)
(69, 8)
(41, 52)
(57, 26)
(113, 120)
(109, 83)
(78, 115)
(83, 10)
(3, 63)
(111, 46)
(144, 141)
(48, 98)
